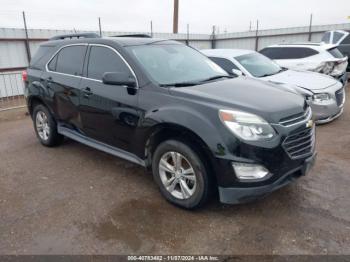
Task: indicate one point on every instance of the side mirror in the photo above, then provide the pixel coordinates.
(119, 78)
(237, 72)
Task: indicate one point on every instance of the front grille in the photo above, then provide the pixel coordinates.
(339, 96)
(300, 144)
(294, 119)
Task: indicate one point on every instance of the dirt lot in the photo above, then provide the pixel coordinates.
(75, 200)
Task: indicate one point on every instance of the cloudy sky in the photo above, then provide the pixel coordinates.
(135, 15)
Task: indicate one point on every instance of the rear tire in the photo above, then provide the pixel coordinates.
(45, 127)
(182, 177)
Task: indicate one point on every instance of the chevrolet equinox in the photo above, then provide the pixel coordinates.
(167, 107)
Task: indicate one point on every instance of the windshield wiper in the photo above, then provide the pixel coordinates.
(181, 84)
(216, 77)
(193, 83)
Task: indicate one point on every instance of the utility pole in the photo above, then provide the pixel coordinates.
(151, 28)
(250, 25)
(310, 28)
(27, 38)
(188, 35)
(99, 26)
(176, 17)
(256, 36)
(213, 41)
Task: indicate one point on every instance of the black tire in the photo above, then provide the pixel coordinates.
(203, 186)
(53, 138)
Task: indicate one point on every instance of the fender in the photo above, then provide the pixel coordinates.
(38, 91)
(189, 119)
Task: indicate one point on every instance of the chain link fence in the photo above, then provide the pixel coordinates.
(11, 91)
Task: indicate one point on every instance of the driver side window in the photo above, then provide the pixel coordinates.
(102, 60)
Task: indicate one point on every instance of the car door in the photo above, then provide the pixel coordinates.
(108, 112)
(62, 79)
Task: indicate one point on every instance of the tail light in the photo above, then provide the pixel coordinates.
(325, 67)
(24, 76)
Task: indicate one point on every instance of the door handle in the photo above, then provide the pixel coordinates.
(87, 92)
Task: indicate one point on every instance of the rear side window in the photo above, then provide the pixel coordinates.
(335, 53)
(226, 64)
(102, 60)
(336, 37)
(52, 64)
(69, 60)
(346, 41)
(288, 52)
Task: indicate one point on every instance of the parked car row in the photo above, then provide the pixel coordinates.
(196, 124)
(324, 94)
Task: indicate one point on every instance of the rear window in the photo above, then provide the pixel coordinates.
(335, 53)
(42, 55)
(69, 60)
(288, 52)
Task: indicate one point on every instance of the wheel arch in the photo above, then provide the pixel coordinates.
(168, 131)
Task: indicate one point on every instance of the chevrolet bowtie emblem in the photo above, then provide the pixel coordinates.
(310, 123)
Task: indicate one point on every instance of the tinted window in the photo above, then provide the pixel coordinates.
(335, 53)
(346, 41)
(326, 37)
(102, 60)
(288, 52)
(226, 64)
(42, 55)
(336, 37)
(70, 60)
(52, 64)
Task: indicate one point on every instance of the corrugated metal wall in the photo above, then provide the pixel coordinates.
(13, 52)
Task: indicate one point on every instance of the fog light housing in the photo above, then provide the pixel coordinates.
(245, 171)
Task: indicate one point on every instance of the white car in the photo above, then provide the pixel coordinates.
(340, 38)
(324, 94)
(317, 57)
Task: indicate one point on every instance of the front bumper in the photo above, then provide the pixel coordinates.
(237, 195)
(329, 110)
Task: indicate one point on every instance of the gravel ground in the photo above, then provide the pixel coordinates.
(75, 200)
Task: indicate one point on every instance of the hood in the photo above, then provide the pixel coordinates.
(242, 93)
(304, 79)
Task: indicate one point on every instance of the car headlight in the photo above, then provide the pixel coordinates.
(247, 126)
(322, 97)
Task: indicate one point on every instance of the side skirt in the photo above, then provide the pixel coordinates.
(99, 145)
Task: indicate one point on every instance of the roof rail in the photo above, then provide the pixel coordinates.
(71, 36)
(133, 35)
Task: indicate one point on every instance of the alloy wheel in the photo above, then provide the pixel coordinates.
(177, 175)
(42, 125)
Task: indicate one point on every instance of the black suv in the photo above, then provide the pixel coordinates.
(167, 107)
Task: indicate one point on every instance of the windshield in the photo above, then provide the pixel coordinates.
(258, 65)
(171, 64)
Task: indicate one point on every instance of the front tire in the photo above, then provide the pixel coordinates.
(179, 172)
(45, 127)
